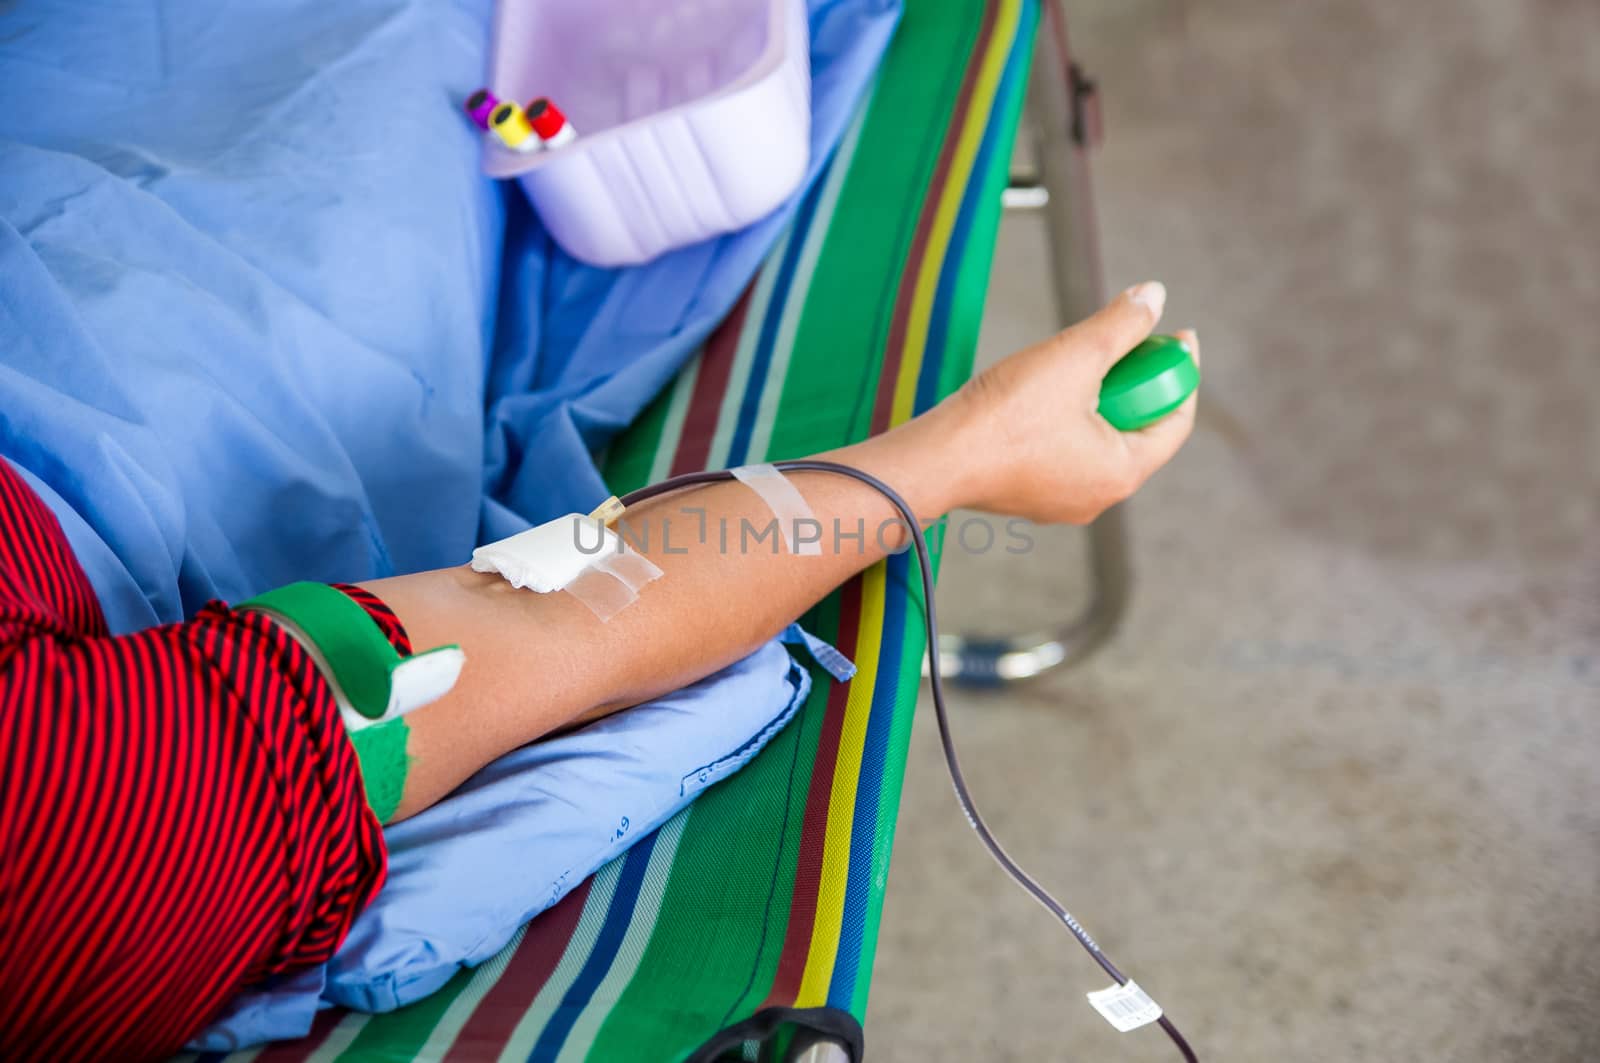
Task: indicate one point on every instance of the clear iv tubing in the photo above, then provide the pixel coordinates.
(936, 682)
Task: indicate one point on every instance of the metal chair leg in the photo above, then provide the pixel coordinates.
(1064, 120)
(993, 661)
(824, 1052)
(1024, 192)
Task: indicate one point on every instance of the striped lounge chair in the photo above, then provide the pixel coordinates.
(745, 927)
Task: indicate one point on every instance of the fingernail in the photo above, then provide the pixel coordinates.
(1191, 342)
(1152, 295)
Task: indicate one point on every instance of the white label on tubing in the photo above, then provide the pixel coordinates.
(1127, 1007)
(786, 503)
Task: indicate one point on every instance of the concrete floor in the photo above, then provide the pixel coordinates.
(1333, 793)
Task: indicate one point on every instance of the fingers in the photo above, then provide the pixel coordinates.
(1117, 328)
(1191, 342)
(1154, 446)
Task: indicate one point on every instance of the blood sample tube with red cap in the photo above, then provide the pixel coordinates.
(550, 124)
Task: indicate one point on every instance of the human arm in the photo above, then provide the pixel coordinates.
(1022, 439)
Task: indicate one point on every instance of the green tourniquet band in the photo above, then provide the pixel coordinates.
(381, 751)
(363, 663)
(355, 649)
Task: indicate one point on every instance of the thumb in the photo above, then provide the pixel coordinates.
(1121, 324)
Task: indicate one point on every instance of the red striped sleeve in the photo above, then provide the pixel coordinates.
(381, 615)
(181, 813)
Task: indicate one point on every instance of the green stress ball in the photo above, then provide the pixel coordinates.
(1148, 383)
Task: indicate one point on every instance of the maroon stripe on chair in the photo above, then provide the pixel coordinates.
(710, 386)
(894, 349)
(814, 828)
(493, 1021)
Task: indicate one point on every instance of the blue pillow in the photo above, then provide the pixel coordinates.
(517, 836)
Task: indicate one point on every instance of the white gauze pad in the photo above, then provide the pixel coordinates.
(786, 503)
(573, 553)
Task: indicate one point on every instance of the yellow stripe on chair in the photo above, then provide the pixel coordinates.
(968, 142)
(842, 799)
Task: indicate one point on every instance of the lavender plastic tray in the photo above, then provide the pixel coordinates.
(693, 116)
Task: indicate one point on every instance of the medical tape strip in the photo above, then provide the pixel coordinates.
(786, 504)
(603, 593)
(631, 568)
(576, 554)
(611, 583)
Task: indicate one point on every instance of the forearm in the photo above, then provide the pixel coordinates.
(540, 662)
(1023, 439)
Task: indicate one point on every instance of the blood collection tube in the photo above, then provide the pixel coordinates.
(480, 105)
(550, 124)
(509, 124)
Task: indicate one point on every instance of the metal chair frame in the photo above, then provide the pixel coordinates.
(1064, 124)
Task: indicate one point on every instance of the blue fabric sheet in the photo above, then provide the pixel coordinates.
(465, 874)
(262, 319)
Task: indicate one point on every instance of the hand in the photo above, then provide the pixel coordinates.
(1031, 440)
